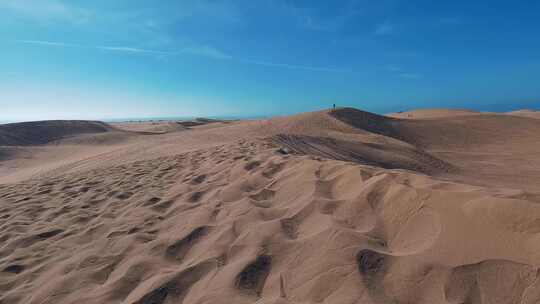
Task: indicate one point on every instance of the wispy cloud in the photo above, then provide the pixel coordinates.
(205, 51)
(338, 21)
(400, 72)
(123, 49)
(45, 10)
(222, 11)
(392, 68)
(292, 66)
(327, 16)
(47, 43)
(126, 49)
(384, 29)
(411, 75)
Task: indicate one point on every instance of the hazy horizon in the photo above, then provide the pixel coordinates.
(123, 59)
(234, 117)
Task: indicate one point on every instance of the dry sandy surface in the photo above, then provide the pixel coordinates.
(339, 206)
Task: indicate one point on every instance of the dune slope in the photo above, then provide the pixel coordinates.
(42, 132)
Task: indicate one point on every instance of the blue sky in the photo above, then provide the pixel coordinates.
(109, 59)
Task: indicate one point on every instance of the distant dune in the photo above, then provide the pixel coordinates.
(42, 132)
(164, 126)
(150, 126)
(526, 113)
(336, 135)
(335, 206)
(432, 113)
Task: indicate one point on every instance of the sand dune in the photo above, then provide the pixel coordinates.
(165, 126)
(150, 127)
(337, 206)
(432, 113)
(42, 132)
(526, 113)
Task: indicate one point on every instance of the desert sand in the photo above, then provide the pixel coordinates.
(340, 206)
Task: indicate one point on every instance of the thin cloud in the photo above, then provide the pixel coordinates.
(49, 43)
(205, 51)
(308, 16)
(292, 66)
(392, 68)
(384, 29)
(132, 50)
(411, 75)
(46, 10)
(398, 71)
(122, 49)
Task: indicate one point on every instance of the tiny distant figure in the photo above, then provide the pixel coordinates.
(334, 106)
